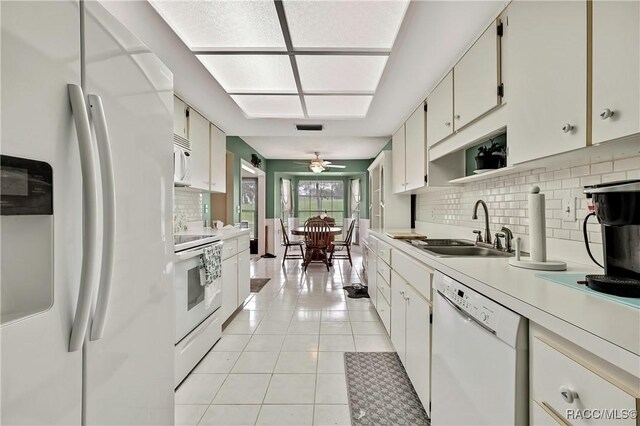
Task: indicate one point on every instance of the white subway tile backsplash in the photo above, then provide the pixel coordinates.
(507, 198)
(188, 203)
(600, 168)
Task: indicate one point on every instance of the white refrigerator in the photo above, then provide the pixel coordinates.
(86, 203)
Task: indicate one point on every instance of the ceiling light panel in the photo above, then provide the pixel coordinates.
(337, 106)
(344, 24)
(346, 74)
(223, 25)
(251, 73)
(270, 106)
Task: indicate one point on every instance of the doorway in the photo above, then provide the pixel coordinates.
(249, 209)
(252, 205)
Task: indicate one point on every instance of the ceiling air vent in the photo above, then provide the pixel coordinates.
(309, 127)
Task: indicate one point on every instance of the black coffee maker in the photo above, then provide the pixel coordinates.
(617, 207)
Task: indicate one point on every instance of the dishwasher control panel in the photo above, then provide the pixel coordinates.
(470, 302)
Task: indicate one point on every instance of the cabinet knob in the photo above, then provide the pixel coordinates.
(568, 395)
(567, 128)
(447, 123)
(606, 113)
(457, 117)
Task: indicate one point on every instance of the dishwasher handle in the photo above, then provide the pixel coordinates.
(468, 317)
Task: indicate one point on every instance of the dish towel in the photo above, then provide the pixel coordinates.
(211, 268)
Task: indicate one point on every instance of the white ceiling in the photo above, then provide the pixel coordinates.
(432, 38)
(332, 47)
(297, 147)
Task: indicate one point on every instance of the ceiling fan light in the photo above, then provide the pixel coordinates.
(316, 168)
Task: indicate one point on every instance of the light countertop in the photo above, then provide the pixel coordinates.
(224, 234)
(543, 301)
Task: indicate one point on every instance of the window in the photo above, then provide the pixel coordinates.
(316, 197)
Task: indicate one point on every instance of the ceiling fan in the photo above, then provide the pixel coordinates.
(318, 165)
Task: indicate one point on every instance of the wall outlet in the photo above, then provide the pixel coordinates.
(569, 210)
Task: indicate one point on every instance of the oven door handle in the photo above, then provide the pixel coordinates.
(188, 254)
(469, 318)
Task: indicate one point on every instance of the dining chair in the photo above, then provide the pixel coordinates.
(316, 238)
(343, 245)
(287, 243)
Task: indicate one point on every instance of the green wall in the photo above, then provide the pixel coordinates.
(241, 151)
(290, 169)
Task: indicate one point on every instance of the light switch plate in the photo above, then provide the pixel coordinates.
(569, 210)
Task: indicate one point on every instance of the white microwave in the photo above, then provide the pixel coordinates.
(181, 161)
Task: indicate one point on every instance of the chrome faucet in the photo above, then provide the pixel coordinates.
(487, 233)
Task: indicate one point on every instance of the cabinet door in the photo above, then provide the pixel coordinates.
(398, 315)
(244, 276)
(547, 78)
(440, 111)
(415, 134)
(229, 287)
(179, 117)
(217, 160)
(398, 155)
(476, 79)
(199, 137)
(372, 274)
(418, 346)
(616, 69)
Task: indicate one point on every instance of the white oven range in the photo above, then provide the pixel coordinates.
(198, 326)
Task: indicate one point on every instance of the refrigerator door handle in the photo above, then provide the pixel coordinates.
(109, 216)
(89, 274)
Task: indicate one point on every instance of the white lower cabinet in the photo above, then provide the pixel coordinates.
(571, 389)
(543, 416)
(372, 275)
(418, 344)
(244, 276)
(229, 287)
(398, 315)
(411, 334)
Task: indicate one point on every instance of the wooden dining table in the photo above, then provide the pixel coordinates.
(333, 230)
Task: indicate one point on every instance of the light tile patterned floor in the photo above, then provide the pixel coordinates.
(280, 361)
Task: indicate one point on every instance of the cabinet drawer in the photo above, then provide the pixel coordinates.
(229, 248)
(385, 271)
(373, 244)
(190, 350)
(419, 276)
(385, 289)
(243, 243)
(543, 416)
(384, 311)
(563, 382)
(384, 252)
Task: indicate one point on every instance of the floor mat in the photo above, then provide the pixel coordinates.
(380, 392)
(356, 292)
(258, 283)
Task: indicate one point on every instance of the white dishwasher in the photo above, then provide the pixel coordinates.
(479, 359)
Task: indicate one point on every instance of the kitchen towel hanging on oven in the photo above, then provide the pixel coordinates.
(211, 263)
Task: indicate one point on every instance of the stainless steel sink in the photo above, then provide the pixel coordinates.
(432, 242)
(466, 251)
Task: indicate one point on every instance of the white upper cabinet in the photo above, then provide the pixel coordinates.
(398, 154)
(616, 69)
(199, 137)
(415, 149)
(217, 160)
(476, 78)
(180, 117)
(547, 85)
(440, 111)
